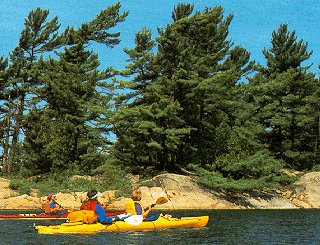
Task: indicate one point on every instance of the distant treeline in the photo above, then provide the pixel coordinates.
(189, 100)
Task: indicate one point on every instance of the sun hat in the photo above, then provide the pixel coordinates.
(51, 195)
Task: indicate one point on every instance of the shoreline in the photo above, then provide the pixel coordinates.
(182, 192)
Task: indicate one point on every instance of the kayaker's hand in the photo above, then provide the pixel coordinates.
(146, 211)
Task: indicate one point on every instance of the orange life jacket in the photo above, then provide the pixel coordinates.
(47, 208)
(89, 205)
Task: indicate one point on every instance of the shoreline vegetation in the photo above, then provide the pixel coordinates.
(183, 193)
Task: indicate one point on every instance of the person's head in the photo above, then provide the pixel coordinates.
(92, 194)
(51, 196)
(136, 195)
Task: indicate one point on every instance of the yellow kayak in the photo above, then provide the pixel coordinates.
(162, 222)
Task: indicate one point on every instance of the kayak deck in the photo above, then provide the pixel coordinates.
(161, 223)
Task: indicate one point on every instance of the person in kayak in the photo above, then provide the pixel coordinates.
(93, 204)
(134, 207)
(52, 207)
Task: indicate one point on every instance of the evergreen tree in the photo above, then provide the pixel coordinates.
(281, 92)
(4, 112)
(140, 69)
(193, 98)
(98, 29)
(204, 70)
(27, 78)
(37, 37)
(69, 130)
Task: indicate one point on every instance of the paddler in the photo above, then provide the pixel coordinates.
(93, 204)
(52, 207)
(134, 207)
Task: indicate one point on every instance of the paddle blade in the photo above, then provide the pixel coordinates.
(161, 200)
(134, 220)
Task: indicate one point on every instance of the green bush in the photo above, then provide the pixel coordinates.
(215, 180)
(81, 185)
(106, 177)
(148, 183)
(113, 177)
(23, 186)
(256, 166)
(316, 168)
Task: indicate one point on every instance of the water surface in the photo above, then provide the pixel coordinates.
(225, 227)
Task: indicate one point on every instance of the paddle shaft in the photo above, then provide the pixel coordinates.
(152, 205)
(58, 204)
(161, 200)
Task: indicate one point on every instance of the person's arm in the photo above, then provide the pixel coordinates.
(102, 216)
(146, 212)
(53, 207)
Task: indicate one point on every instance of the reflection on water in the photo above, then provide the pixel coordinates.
(224, 227)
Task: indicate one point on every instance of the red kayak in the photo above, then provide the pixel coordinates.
(44, 215)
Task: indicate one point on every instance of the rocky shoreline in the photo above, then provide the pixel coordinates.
(182, 192)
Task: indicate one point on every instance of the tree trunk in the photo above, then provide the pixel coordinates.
(6, 145)
(15, 137)
(6, 139)
(317, 138)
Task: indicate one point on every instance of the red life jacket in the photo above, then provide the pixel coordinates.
(47, 208)
(89, 205)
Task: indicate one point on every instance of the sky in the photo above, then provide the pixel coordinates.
(252, 25)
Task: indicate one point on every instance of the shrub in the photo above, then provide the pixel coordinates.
(254, 173)
(23, 186)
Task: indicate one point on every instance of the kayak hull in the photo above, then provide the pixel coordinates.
(161, 223)
(33, 216)
(42, 216)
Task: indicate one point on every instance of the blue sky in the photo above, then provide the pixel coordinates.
(252, 26)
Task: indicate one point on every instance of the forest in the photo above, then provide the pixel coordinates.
(189, 101)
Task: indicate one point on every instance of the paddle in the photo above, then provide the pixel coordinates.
(137, 219)
(160, 200)
(63, 211)
(134, 220)
(58, 204)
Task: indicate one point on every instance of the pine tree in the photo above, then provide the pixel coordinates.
(4, 113)
(27, 79)
(140, 69)
(192, 99)
(131, 130)
(282, 92)
(71, 122)
(37, 37)
(204, 71)
(98, 29)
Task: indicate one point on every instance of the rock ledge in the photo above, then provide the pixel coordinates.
(182, 192)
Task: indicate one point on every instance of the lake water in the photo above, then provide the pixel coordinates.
(225, 227)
